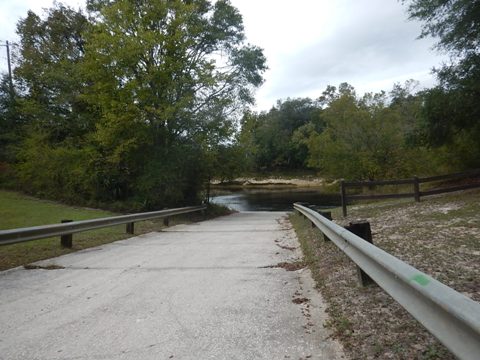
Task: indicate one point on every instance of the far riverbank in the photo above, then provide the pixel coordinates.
(274, 181)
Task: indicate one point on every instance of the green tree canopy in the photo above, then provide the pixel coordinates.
(455, 22)
(364, 138)
(48, 74)
(133, 101)
(451, 114)
(166, 77)
(269, 135)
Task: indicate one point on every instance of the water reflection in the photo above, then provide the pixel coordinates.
(272, 199)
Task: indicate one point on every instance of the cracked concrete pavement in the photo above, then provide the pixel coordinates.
(199, 291)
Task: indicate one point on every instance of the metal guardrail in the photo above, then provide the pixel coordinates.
(451, 317)
(13, 236)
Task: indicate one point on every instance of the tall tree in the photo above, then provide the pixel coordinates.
(271, 133)
(133, 102)
(167, 77)
(455, 22)
(11, 124)
(364, 138)
(47, 72)
(452, 111)
(52, 159)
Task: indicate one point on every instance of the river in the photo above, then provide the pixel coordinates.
(272, 199)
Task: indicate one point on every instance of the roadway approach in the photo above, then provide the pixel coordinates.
(207, 290)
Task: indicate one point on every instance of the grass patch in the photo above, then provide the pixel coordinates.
(18, 210)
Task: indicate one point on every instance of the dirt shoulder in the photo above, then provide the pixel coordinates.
(439, 236)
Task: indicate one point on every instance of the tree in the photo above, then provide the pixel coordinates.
(11, 125)
(11, 121)
(48, 74)
(408, 103)
(56, 123)
(167, 77)
(133, 102)
(451, 114)
(270, 134)
(364, 138)
(455, 22)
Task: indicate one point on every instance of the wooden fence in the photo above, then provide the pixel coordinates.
(416, 193)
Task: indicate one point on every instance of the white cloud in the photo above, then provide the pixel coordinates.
(311, 43)
(367, 43)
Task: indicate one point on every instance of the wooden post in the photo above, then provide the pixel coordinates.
(328, 215)
(130, 228)
(66, 241)
(344, 198)
(362, 229)
(166, 221)
(416, 188)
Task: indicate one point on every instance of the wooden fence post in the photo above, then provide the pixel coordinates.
(362, 229)
(344, 198)
(66, 241)
(166, 221)
(416, 188)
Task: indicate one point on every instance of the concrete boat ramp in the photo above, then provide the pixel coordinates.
(208, 290)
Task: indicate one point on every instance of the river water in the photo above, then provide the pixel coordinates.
(272, 199)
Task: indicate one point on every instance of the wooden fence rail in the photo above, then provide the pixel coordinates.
(414, 181)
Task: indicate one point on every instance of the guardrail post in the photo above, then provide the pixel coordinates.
(362, 229)
(416, 188)
(303, 204)
(66, 241)
(343, 197)
(130, 228)
(314, 208)
(166, 221)
(328, 215)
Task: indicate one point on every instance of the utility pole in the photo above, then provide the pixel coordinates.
(7, 45)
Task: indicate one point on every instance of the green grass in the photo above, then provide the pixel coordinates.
(17, 210)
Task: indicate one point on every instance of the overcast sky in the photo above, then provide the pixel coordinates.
(310, 44)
